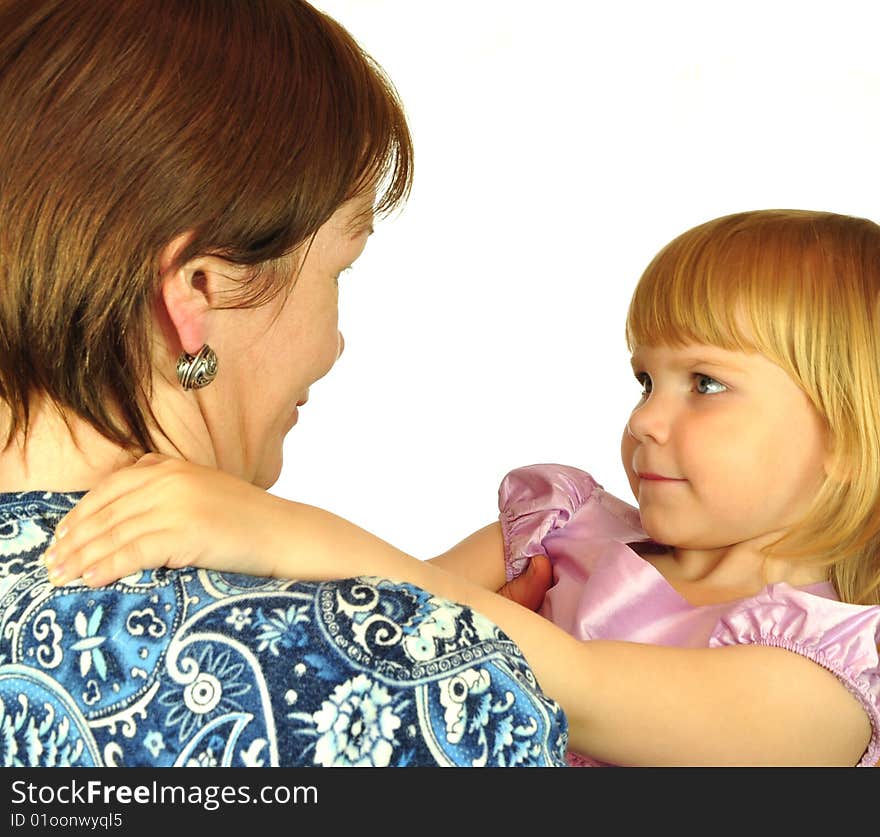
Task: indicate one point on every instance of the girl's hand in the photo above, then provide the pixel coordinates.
(162, 512)
(530, 588)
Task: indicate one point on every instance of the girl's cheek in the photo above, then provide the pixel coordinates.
(627, 447)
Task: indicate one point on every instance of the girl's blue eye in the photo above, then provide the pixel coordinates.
(708, 386)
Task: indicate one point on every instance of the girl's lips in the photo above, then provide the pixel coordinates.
(659, 478)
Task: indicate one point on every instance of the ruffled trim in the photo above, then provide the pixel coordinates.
(841, 637)
(534, 501)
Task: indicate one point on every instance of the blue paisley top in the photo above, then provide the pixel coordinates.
(193, 667)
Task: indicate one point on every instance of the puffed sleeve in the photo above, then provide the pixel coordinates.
(534, 501)
(841, 637)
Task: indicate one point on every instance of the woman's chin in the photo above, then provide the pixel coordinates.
(268, 471)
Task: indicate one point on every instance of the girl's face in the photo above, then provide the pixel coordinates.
(723, 447)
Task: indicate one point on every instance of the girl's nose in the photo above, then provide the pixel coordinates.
(650, 420)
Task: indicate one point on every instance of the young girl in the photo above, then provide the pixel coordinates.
(734, 616)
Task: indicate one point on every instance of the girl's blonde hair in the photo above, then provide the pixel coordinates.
(803, 289)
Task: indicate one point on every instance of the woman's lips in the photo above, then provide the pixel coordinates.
(294, 417)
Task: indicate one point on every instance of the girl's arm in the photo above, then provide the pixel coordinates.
(627, 703)
(480, 559)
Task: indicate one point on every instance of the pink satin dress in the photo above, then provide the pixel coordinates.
(605, 590)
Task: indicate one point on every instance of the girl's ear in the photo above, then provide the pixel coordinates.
(188, 290)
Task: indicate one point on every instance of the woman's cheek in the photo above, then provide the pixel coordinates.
(331, 349)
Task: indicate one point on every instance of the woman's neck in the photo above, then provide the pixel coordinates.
(56, 458)
(73, 456)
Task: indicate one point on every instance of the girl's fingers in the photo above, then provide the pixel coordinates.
(127, 560)
(135, 519)
(120, 563)
(101, 521)
(530, 588)
(111, 489)
(122, 547)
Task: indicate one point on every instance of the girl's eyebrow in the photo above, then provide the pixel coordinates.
(694, 361)
(718, 362)
(710, 364)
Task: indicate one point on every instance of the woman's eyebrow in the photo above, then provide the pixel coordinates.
(361, 225)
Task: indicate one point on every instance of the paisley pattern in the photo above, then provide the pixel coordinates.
(198, 668)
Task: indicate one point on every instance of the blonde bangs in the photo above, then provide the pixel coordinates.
(683, 297)
(744, 282)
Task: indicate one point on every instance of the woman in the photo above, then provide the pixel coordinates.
(181, 183)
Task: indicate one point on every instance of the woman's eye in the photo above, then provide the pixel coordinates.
(645, 380)
(708, 386)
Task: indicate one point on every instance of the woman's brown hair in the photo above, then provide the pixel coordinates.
(124, 123)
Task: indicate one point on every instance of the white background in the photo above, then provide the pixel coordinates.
(559, 145)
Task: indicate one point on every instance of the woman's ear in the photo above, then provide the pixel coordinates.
(188, 290)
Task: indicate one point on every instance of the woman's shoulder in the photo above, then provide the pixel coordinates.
(28, 505)
(27, 523)
(173, 667)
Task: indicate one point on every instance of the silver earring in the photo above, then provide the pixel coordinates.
(198, 370)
